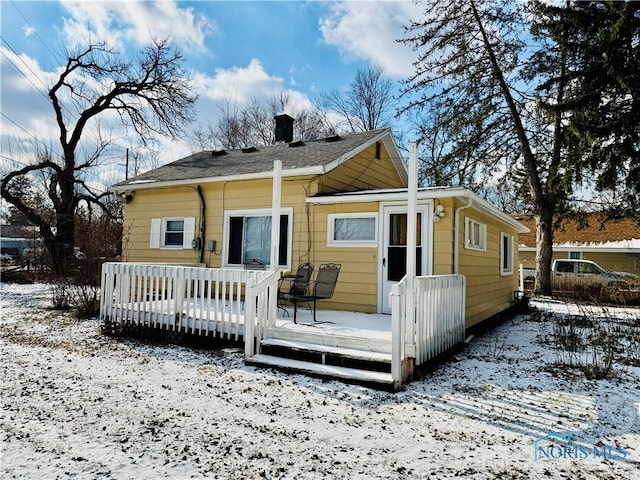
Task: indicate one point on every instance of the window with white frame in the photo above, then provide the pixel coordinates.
(352, 230)
(475, 235)
(175, 232)
(506, 254)
(575, 255)
(247, 236)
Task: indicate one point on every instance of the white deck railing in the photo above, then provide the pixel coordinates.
(260, 313)
(439, 320)
(243, 303)
(187, 299)
(440, 315)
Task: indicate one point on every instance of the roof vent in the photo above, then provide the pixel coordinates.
(218, 153)
(333, 138)
(249, 150)
(299, 143)
(284, 128)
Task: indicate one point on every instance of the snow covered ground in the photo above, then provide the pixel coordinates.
(77, 404)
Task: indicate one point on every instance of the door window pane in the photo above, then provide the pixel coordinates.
(397, 249)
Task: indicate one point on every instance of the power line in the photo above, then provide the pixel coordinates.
(13, 160)
(46, 45)
(23, 129)
(43, 93)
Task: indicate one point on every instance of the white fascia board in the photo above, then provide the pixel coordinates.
(400, 195)
(490, 209)
(383, 195)
(268, 174)
(394, 153)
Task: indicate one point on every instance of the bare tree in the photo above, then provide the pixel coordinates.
(251, 124)
(367, 103)
(150, 94)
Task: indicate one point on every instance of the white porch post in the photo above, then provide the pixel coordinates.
(412, 195)
(275, 213)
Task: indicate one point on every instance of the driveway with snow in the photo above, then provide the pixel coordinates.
(78, 404)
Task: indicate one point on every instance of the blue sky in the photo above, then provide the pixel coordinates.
(234, 49)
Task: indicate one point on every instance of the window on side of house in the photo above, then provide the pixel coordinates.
(248, 236)
(352, 230)
(175, 232)
(506, 254)
(475, 235)
(575, 255)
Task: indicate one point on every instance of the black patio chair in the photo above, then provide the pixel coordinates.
(321, 289)
(292, 285)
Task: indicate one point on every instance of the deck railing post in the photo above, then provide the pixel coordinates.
(397, 336)
(249, 319)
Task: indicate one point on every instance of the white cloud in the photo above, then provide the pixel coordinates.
(238, 84)
(369, 30)
(28, 31)
(26, 110)
(119, 21)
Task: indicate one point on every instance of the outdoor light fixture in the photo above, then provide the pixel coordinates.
(438, 213)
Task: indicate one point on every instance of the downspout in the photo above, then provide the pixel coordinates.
(203, 222)
(456, 234)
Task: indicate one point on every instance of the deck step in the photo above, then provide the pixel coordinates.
(353, 353)
(354, 342)
(330, 371)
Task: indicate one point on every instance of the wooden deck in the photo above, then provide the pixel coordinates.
(242, 306)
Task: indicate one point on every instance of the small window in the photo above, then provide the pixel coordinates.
(172, 232)
(575, 255)
(352, 230)
(506, 254)
(475, 235)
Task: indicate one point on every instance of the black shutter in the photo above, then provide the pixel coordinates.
(235, 240)
(284, 240)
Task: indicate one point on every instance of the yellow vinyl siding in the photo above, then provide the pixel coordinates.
(358, 281)
(219, 197)
(362, 172)
(443, 233)
(488, 292)
(148, 204)
(617, 262)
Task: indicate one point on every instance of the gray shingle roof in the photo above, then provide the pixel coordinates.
(314, 153)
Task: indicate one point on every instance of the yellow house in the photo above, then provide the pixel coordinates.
(343, 199)
(612, 243)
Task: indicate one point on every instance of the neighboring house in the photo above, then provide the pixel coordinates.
(16, 239)
(614, 244)
(343, 200)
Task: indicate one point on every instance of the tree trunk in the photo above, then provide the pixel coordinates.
(543, 203)
(544, 251)
(61, 246)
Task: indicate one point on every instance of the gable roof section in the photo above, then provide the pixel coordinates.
(596, 233)
(298, 158)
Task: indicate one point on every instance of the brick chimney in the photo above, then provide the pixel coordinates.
(284, 128)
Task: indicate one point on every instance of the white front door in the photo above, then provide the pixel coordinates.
(393, 251)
